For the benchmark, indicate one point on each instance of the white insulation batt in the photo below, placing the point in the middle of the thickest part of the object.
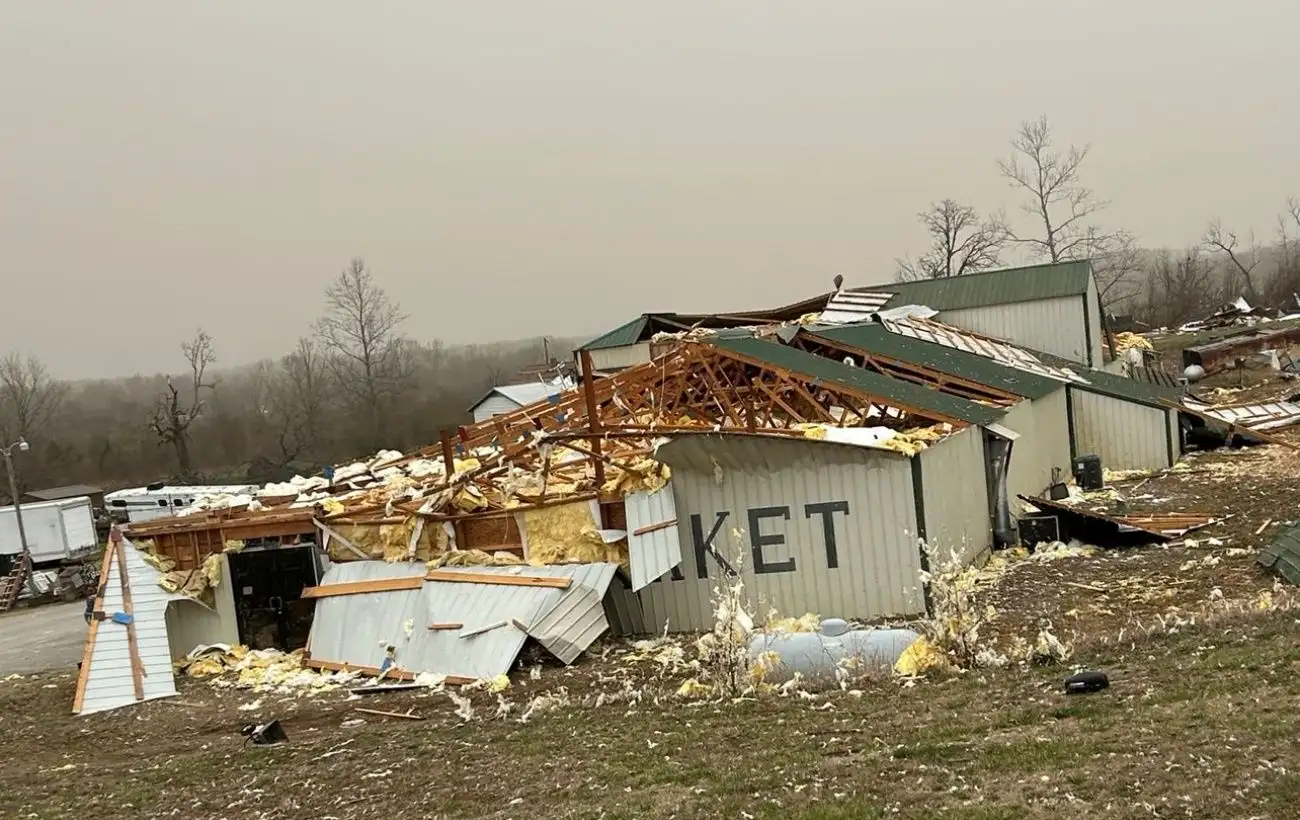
(125, 664)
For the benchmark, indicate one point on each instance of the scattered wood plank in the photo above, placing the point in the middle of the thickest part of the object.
(133, 646)
(447, 625)
(380, 713)
(1089, 587)
(479, 630)
(362, 587)
(492, 578)
(649, 528)
(1263, 527)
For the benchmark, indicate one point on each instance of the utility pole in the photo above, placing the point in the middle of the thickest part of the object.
(22, 446)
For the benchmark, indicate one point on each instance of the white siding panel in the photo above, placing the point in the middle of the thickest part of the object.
(653, 553)
(865, 496)
(493, 405)
(617, 358)
(954, 480)
(1050, 325)
(1044, 428)
(1126, 435)
(109, 683)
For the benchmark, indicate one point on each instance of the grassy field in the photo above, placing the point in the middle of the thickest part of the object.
(1199, 722)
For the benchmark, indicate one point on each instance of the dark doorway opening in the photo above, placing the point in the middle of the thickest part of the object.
(269, 606)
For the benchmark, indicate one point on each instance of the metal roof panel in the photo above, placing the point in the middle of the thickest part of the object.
(882, 388)
(997, 287)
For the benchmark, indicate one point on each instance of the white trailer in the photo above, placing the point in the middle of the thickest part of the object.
(147, 503)
(56, 530)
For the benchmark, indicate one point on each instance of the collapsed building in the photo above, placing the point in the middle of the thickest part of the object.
(825, 452)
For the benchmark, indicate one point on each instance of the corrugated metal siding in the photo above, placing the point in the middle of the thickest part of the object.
(354, 628)
(1050, 325)
(653, 553)
(876, 557)
(854, 306)
(109, 683)
(1127, 436)
(494, 404)
(617, 358)
(1044, 443)
(955, 488)
(576, 620)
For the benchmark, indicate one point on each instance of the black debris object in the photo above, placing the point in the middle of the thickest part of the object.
(267, 734)
(1086, 683)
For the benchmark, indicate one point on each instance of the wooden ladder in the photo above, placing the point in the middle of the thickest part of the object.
(11, 585)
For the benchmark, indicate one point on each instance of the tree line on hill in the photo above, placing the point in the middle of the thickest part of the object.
(354, 385)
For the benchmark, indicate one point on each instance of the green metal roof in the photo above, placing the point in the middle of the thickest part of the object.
(997, 287)
(873, 338)
(874, 384)
(1282, 555)
(628, 334)
(1113, 384)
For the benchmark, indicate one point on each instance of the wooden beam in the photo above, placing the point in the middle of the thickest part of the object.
(649, 528)
(362, 587)
(448, 456)
(373, 671)
(446, 625)
(133, 646)
(493, 578)
(88, 651)
(593, 422)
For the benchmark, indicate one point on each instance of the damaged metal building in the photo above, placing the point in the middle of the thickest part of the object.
(827, 452)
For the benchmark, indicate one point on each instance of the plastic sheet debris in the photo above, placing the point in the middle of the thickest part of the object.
(824, 653)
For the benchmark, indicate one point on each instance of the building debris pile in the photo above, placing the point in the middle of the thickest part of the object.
(525, 482)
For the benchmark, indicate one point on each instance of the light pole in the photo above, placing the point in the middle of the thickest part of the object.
(7, 452)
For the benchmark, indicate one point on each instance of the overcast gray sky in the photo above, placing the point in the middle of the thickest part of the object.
(512, 169)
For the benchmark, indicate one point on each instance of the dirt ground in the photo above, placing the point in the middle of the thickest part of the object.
(1200, 720)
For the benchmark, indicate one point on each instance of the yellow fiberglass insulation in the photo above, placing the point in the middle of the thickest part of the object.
(389, 542)
(567, 534)
(475, 558)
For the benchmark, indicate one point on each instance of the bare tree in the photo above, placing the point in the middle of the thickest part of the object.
(366, 354)
(174, 414)
(1285, 287)
(1242, 262)
(960, 242)
(1055, 196)
(1179, 287)
(298, 401)
(29, 397)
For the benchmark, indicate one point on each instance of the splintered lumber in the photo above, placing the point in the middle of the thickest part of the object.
(362, 587)
(380, 713)
(493, 578)
(447, 625)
